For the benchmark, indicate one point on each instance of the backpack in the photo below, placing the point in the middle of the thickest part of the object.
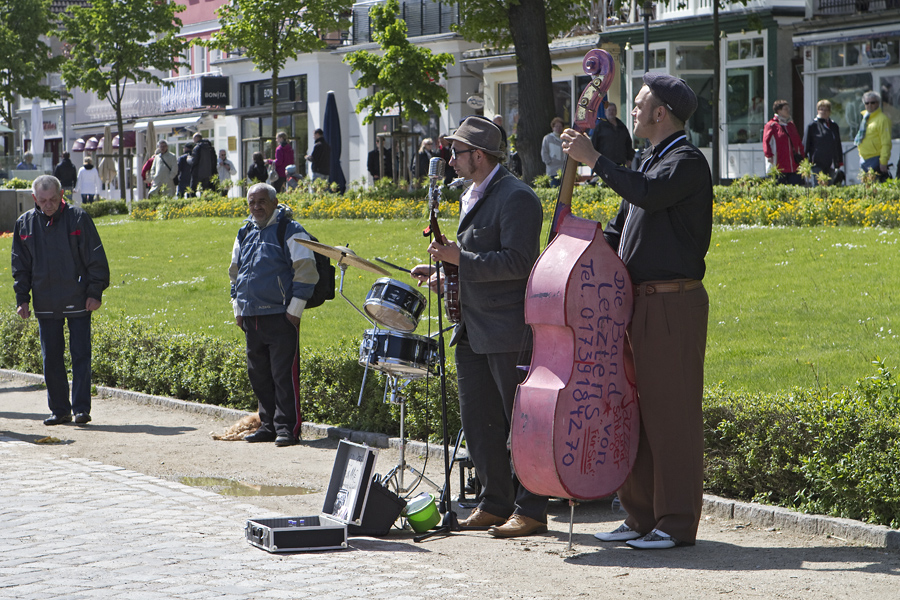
(324, 289)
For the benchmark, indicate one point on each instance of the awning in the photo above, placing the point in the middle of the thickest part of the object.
(129, 140)
(5, 129)
(169, 123)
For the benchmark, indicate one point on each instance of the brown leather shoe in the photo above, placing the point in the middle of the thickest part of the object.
(518, 526)
(480, 518)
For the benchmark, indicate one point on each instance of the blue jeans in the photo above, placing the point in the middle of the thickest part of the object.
(52, 348)
(873, 164)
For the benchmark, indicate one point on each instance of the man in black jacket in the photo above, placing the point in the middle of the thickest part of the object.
(823, 141)
(204, 165)
(66, 172)
(611, 138)
(662, 233)
(498, 241)
(58, 258)
(320, 157)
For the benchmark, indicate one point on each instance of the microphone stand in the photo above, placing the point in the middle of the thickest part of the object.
(449, 523)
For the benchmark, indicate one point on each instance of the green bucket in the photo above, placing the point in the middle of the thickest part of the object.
(422, 513)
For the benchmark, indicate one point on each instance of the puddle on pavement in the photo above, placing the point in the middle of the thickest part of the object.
(231, 487)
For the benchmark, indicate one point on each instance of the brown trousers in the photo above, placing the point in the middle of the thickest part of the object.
(665, 488)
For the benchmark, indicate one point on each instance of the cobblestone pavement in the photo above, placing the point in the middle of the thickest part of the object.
(75, 528)
(102, 514)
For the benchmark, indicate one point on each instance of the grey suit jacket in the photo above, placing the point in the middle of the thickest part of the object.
(499, 241)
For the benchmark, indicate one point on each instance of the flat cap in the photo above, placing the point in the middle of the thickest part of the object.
(677, 94)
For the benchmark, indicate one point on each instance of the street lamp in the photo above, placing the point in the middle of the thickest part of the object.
(647, 11)
(63, 96)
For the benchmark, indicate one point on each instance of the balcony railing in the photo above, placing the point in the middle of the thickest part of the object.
(850, 7)
(423, 17)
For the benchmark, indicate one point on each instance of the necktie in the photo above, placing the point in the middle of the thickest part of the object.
(862, 130)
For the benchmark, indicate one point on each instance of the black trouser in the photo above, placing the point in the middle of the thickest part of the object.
(487, 391)
(272, 364)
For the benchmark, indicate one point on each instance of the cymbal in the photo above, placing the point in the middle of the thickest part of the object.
(343, 255)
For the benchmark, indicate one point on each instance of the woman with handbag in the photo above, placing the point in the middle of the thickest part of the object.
(782, 144)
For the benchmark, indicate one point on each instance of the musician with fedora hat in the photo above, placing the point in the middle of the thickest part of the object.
(498, 242)
(662, 233)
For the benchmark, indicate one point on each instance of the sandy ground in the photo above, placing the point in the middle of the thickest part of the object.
(730, 559)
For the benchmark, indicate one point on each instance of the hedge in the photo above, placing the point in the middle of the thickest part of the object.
(833, 453)
(153, 360)
(749, 201)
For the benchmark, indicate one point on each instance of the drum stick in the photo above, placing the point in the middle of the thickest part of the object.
(404, 269)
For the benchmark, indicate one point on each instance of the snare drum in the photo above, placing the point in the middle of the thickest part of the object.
(394, 304)
(402, 355)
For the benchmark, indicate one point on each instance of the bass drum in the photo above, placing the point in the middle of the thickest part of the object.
(394, 304)
(402, 355)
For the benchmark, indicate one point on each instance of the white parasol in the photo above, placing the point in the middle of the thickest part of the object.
(107, 167)
(37, 130)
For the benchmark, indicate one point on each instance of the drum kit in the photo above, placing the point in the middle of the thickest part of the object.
(393, 308)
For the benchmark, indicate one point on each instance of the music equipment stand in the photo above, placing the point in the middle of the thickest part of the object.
(394, 478)
(449, 523)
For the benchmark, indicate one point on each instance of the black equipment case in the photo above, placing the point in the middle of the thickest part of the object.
(345, 502)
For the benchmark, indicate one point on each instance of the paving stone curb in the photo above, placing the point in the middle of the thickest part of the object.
(751, 513)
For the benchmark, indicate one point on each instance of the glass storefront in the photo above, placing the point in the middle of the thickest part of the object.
(746, 112)
(846, 70)
(256, 129)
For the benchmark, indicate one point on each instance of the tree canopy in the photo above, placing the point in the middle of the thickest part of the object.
(404, 76)
(529, 26)
(271, 32)
(26, 58)
(114, 42)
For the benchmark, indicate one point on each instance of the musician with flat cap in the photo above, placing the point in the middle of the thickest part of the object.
(662, 233)
(498, 243)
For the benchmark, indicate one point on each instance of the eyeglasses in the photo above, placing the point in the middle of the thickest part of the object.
(871, 102)
(454, 153)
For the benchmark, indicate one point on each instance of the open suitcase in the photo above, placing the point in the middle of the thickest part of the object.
(345, 505)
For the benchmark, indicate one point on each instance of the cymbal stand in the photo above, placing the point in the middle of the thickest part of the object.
(343, 267)
(394, 477)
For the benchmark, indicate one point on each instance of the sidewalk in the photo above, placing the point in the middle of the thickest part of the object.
(123, 527)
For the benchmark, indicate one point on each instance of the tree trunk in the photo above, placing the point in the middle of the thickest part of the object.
(108, 146)
(527, 24)
(717, 75)
(274, 111)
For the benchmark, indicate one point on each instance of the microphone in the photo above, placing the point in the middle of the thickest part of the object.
(458, 182)
(436, 168)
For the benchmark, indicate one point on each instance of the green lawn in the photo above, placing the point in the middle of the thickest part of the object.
(789, 306)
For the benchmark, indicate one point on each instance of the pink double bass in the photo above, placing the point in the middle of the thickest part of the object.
(575, 421)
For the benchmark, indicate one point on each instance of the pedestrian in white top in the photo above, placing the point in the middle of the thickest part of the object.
(88, 182)
(225, 169)
(163, 171)
(551, 151)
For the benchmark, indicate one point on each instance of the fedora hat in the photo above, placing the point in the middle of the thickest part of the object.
(480, 133)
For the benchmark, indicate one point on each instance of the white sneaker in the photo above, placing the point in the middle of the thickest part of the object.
(622, 534)
(655, 540)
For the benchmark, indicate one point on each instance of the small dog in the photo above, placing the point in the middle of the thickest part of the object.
(244, 427)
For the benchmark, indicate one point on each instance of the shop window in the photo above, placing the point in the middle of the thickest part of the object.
(694, 58)
(746, 49)
(700, 126)
(657, 59)
(745, 108)
(845, 93)
(509, 106)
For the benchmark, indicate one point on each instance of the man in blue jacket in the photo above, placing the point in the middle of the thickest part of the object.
(272, 277)
(58, 258)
